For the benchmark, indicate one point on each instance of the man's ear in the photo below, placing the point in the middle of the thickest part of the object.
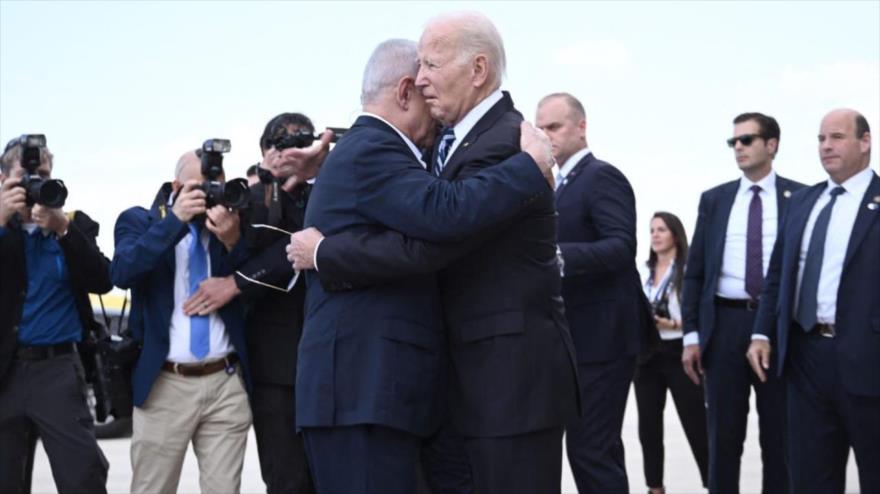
(773, 145)
(176, 185)
(480, 68)
(405, 87)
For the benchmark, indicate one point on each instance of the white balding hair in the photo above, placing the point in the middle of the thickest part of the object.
(391, 60)
(476, 35)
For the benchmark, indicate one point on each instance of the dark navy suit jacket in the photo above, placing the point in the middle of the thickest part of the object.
(513, 360)
(144, 262)
(707, 253)
(606, 308)
(378, 355)
(858, 295)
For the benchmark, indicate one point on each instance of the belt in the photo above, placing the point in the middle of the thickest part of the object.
(824, 329)
(43, 352)
(202, 368)
(747, 303)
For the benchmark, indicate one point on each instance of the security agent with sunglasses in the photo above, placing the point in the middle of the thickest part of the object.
(49, 261)
(736, 228)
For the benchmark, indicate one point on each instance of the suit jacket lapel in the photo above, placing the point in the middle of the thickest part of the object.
(725, 205)
(782, 194)
(455, 162)
(572, 175)
(864, 218)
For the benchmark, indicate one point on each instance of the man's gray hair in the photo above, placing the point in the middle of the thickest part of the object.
(390, 61)
(476, 35)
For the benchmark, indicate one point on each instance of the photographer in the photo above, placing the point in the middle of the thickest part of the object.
(49, 261)
(662, 370)
(275, 313)
(187, 382)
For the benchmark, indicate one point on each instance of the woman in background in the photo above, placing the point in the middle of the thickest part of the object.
(662, 370)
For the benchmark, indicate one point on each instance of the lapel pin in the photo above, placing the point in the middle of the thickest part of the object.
(786, 194)
(465, 144)
(872, 206)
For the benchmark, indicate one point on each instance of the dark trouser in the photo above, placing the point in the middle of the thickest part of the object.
(824, 421)
(525, 463)
(663, 371)
(49, 396)
(595, 449)
(362, 459)
(282, 454)
(445, 465)
(729, 380)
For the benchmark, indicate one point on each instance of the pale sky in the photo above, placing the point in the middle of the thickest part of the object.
(122, 89)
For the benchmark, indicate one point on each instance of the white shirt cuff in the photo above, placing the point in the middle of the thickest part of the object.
(759, 337)
(692, 338)
(315, 254)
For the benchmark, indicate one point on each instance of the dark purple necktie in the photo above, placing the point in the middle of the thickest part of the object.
(754, 246)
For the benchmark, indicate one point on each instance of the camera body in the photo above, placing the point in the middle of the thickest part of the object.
(660, 308)
(48, 192)
(299, 139)
(232, 194)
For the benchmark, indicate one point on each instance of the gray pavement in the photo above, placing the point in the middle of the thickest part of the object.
(681, 470)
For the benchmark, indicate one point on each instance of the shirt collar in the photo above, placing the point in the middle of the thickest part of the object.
(462, 128)
(574, 159)
(409, 143)
(33, 228)
(856, 185)
(767, 184)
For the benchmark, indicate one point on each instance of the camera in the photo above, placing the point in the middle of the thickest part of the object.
(232, 194)
(300, 139)
(48, 192)
(660, 308)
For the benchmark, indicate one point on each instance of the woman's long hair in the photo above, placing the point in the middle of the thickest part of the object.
(679, 238)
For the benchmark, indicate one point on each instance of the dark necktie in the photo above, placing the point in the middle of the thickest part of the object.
(808, 298)
(447, 137)
(199, 326)
(754, 245)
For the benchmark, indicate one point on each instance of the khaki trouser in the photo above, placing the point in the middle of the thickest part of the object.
(212, 411)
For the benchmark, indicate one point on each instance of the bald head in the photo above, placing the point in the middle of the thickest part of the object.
(189, 167)
(844, 144)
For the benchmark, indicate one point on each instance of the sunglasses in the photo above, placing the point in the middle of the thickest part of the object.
(745, 139)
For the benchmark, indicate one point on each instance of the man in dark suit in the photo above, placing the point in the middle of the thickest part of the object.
(49, 262)
(513, 381)
(606, 309)
(736, 228)
(820, 313)
(186, 383)
(274, 310)
(372, 362)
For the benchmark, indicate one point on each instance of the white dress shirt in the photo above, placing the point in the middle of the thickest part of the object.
(467, 123)
(180, 326)
(732, 279)
(840, 225)
(655, 293)
(560, 172)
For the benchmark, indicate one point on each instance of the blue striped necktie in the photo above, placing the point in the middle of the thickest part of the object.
(199, 326)
(447, 137)
(808, 300)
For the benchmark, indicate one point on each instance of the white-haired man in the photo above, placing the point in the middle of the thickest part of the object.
(372, 362)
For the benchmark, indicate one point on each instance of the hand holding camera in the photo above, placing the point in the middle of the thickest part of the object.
(190, 202)
(298, 164)
(52, 219)
(224, 224)
(13, 200)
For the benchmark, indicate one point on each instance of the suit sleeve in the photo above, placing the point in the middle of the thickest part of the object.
(766, 315)
(141, 245)
(613, 212)
(695, 271)
(401, 196)
(87, 265)
(269, 266)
